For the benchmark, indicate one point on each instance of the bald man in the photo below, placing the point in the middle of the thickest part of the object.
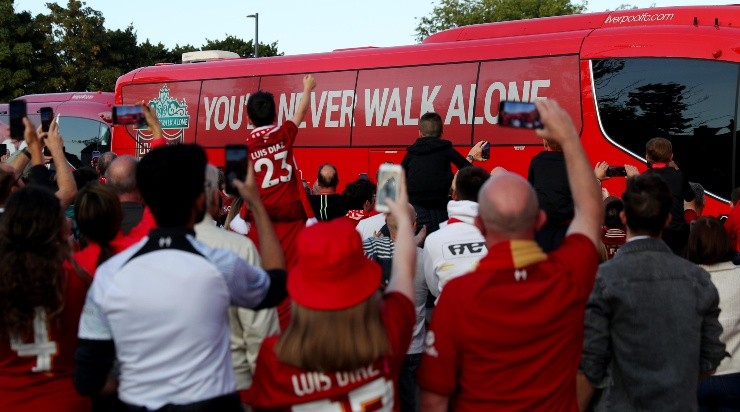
(325, 201)
(509, 335)
(121, 174)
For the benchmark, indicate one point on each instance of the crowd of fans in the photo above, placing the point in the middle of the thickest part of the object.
(140, 285)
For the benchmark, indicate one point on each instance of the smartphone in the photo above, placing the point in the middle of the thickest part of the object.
(47, 115)
(486, 153)
(236, 165)
(614, 171)
(17, 111)
(363, 176)
(127, 115)
(95, 154)
(519, 114)
(389, 185)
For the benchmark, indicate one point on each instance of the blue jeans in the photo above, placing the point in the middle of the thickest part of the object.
(407, 382)
(720, 393)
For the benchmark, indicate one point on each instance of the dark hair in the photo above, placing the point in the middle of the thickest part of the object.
(261, 108)
(709, 242)
(659, 150)
(647, 202)
(104, 162)
(612, 207)
(170, 180)
(84, 175)
(98, 214)
(32, 252)
(468, 182)
(430, 124)
(7, 181)
(332, 181)
(735, 196)
(358, 192)
(698, 193)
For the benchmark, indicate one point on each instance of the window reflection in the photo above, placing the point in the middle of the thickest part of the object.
(689, 102)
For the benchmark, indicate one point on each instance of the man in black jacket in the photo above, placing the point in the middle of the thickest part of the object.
(429, 172)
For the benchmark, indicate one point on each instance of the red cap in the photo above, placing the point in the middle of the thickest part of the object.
(332, 271)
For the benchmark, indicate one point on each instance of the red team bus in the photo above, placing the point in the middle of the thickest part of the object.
(624, 76)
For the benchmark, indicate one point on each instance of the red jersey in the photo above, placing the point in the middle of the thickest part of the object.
(732, 225)
(282, 387)
(36, 372)
(88, 257)
(271, 153)
(510, 339)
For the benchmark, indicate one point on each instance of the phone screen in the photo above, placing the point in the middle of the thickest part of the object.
(17, 111)
(486, 153)
(127, 115)
(47, 115)
(389, 185)
(519, 114)
(236, 165)
(613, 171)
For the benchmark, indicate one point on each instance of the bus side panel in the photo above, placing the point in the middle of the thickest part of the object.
(328, 121)
(222, 118)
(524, 80)
(390, 102)
(176, 105)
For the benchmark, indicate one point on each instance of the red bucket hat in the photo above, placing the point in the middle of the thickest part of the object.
(332, 271)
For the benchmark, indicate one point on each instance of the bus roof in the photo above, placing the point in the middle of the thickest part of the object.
(543, 36)
(726, 16)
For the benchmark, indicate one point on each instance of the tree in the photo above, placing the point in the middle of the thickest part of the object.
(456, 13)
(21, 59)
(241, 47)
(78, 38)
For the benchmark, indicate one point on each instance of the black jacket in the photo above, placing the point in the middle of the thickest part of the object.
(429, 172)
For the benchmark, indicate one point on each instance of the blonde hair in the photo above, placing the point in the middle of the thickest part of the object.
(334, 340)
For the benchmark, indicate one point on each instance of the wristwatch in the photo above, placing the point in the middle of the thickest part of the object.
(470, 158)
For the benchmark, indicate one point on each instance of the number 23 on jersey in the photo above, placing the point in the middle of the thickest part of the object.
(276, 169)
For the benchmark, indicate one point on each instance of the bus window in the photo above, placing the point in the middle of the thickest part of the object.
(79, 133)
(690, 102)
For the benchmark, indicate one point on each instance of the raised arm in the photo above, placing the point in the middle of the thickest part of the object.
(589, 208)
(309, 83)
(270, 250)
(404, 255)
(67, 188)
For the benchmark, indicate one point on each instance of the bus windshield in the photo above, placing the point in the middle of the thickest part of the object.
(690, 102)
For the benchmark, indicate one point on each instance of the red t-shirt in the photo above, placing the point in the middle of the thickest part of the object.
(88, 257)
(279, 387)
(732, 225)
(271, 153)
(509, 339)
(50, 387)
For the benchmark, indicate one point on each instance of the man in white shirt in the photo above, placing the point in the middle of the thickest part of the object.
(458, 245)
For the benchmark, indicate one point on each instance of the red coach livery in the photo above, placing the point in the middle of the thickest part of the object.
(624, 76)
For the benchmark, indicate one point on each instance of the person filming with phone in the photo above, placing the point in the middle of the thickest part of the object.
(429, 172)
(510, 332)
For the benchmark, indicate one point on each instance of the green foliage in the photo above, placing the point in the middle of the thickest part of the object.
(21, 62)
(69, 49)
(241, 47)
(456, 13)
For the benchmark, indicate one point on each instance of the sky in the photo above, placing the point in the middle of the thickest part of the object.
(297, 26)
